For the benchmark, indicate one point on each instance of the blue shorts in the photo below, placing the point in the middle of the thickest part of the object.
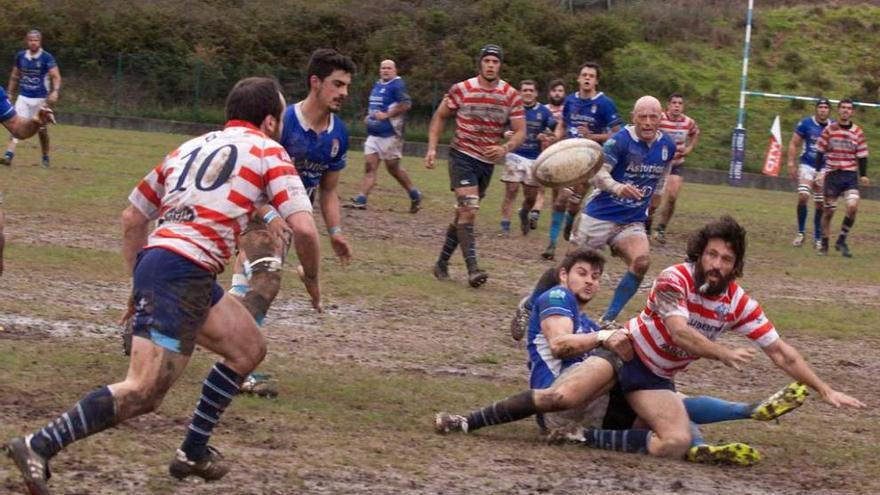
(634, 375)
(838, 182)
(172, 298)
(676, 169)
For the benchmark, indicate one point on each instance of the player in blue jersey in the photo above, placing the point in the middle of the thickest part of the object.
(806, 173)
(389, 101)
(32, 71)
(586, 113)
(21, 128)
(518, 163)
(636, 158)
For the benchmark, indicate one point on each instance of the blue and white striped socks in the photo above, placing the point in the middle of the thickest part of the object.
(218, 389)
(94, 413)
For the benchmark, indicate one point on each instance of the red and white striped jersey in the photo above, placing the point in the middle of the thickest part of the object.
(556, 110)
(204, 192)
(842, 147)
(681, 131)
(482, 115)
(674, 294)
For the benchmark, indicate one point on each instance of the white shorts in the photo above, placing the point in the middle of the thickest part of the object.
(596, 234)
(808, 173)
(28, 108)
(586, 415)
(388, 148)
(518, 169)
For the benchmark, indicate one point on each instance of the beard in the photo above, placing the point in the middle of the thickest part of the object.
(556, 101)
(711, 289)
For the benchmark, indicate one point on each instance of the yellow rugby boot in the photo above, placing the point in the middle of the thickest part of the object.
(732, 454)
(791, 397)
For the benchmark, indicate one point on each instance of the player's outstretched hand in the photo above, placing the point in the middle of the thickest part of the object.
(840, 399)
(620, 344)
(737, 357)
(430, 158)
(341, 247)
(45, 116)
(312, 287)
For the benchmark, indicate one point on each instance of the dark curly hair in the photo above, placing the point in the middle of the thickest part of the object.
(586, 255)
(728, 230)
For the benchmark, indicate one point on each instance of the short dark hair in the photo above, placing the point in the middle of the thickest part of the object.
(556, 82)
(845, 100)
(254, 98)
(675, 95)
(728, 230)
(592, 65)
(528, 82)
(583, 255)
(324, 61)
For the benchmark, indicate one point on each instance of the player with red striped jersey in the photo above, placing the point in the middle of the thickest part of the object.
(201, 196)
(686, 134)
(689, 306)
(843, 147)
(483, 106)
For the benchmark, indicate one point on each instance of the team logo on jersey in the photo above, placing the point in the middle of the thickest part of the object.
(334, 148)
(722, 310)
(594, 109)
(179, 215)
(664, 154)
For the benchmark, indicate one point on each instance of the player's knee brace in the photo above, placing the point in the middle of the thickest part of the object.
(804, 190)
(468, 202)
(851, 197)
(818, 198)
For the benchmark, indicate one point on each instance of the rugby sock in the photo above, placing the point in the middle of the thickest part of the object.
(844, 229)
(449, 244)
(513, 408)
(650, 220)
(817, 224)
(696, 436)
(627, 288)
(556, 225)
(414, 194)
(704, 409)
(94, 413)
(468, 246)
(239, 286)
(218, 389)
(618, 440)
(661, 227)
(535, 215)
(360, 199)
(505, 225)
(802, 217)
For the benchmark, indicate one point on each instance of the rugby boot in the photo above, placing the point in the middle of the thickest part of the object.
(791, 397)
(818, 244)
(211, 468)
(33, 467)
(660, 236)
(798, 240)
(733, 454)
(416, 204)
(441, 270)
(524, 222)
(477, 278)
(448, 423)
(843, 249)
(520, 321)
(534, 215)
(6, 159)
(258, 384)
(550, 252)
(45, 162)
(354, 204)
(823, 247)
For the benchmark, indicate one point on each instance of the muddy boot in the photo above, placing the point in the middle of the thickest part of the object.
(441, 270)
(211, 468)
(33, 467)
(258, 384)
(477, 278)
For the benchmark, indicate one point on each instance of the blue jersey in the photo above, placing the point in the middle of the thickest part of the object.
(7, 111)
(33, 71)
(633, 162)
(543, 367)
(538, 119)
(809, 131)
(598, 114)
(384, 97)
(313, 153)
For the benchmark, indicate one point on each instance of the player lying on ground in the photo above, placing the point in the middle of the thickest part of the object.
(573, 366)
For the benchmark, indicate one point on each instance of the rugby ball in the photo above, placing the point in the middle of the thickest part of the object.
(568, 162)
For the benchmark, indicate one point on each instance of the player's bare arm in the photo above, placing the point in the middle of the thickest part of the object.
(55, 76)
(14, 76)
(305, 242)
(788, 359)
(435, 129)
(135, 227)
(794, 147)
(22, 128)
(697, 344)
(692, 144)
(332, 219)
(599, 138)
(398, 109)
(605, 182)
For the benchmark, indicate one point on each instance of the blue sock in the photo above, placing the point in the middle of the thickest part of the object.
(618, 440)
(817, 224)
(9, 154)
(696, 436)
(627, 288)
(556, 225)
(94, 413)
(360, 199)
(802, 217)
(569, 218)
(218, 389)
(705, 409)
(414, 194)
(505, 225)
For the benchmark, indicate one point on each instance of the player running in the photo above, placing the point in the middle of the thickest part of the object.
(843, 148)
(22, 128)
(684, 131)
(201, 195)
(32, 73)
(483, 106)
(586, 113)
(808, 172)
(518, 164)
(389, 101)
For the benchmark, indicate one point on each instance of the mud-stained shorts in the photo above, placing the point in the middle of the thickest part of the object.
(596, 234)
(467, 171)
(172, 297)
